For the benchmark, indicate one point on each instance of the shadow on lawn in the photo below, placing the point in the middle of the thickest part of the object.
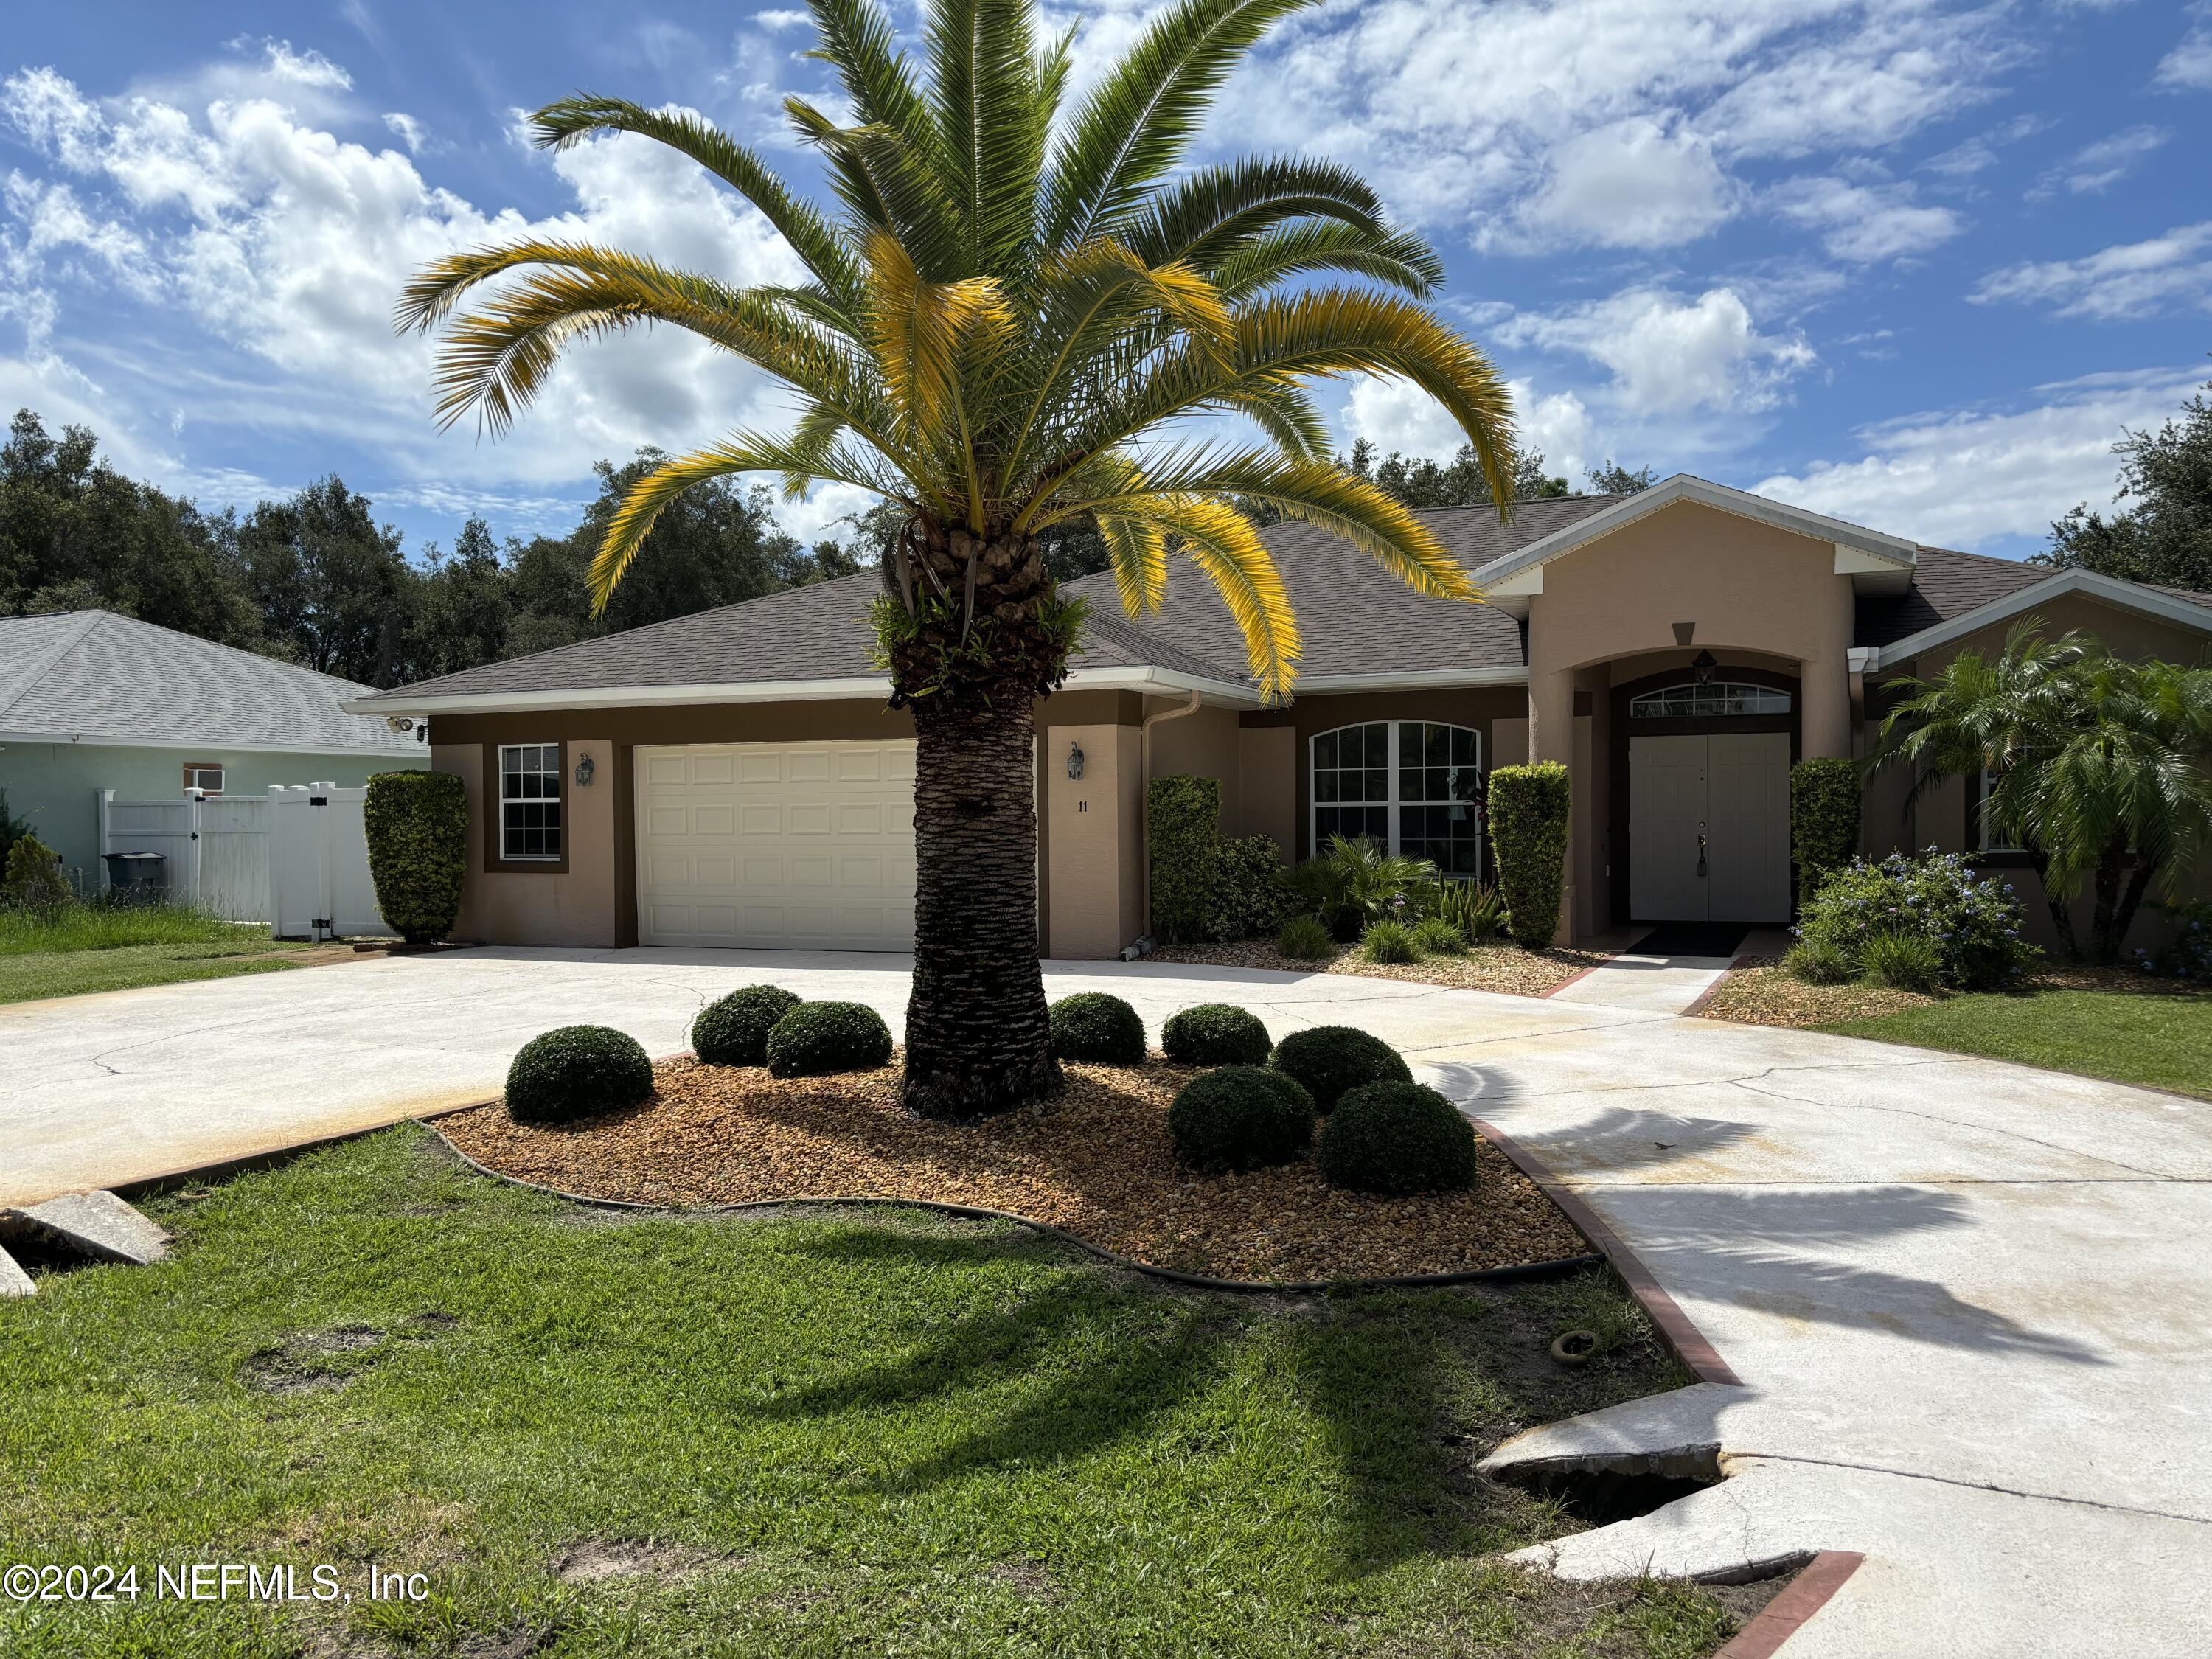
(1403, 1391)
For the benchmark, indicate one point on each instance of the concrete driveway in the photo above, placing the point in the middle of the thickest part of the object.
(1967, 1301)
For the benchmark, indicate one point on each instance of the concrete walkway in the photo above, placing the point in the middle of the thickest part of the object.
(1965, 1300)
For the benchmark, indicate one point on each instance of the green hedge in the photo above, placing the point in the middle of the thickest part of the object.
(1207, 886)
(1528, 820)
(576, 1071)
(1823, 820)
(418, 850)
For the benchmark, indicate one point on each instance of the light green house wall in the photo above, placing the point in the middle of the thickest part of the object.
(52, 784)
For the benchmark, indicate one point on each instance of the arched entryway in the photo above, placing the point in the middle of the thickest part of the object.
(1700, 764)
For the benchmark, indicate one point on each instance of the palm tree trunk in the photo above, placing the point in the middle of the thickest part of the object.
(977, 1038)
(2061, 918)
(2118, 902)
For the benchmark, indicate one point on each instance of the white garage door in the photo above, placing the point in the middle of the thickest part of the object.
(777, 846)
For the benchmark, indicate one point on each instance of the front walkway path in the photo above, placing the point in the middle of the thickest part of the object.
(1966, 1300)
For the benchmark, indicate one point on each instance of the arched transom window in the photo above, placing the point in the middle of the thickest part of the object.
(1690, 701)
(1414, 786)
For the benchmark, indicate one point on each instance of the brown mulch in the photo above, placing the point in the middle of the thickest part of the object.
(1493, 967)
(1095, 1161)
(1759, 992)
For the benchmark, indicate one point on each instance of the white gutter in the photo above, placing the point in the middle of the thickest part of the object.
(1511, 674)
(212, 746)
(846, 688)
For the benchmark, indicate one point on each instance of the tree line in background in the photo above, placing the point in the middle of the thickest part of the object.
(315, 580)
(2163, 536)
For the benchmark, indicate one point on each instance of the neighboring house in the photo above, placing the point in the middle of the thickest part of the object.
(734, 778)
(92, 701)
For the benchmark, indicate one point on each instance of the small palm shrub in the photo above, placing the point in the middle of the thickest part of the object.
(1388, 941)
(1304, 939)
(1094, 1027)
(1904, 962)
(1818, 963)
(1974, 925)
(576, 1071)
(734, 1031)
(1354, 882)
(1240, 1117)
(1435, 937)
(1216, 1034)
(817, 1038)
(1328, 1060)
(1397, 1138)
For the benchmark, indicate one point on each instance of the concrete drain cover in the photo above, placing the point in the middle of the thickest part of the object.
(97, 1224)
(13, 1281)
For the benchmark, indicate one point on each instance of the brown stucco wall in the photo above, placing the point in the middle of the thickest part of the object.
(571, 901)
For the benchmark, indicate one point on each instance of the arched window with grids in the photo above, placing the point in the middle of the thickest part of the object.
(1414, 785)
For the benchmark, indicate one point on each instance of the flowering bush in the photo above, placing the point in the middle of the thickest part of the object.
(1974, 925)
(2188, 954)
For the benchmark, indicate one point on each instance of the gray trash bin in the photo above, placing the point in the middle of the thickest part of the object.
(142, 876)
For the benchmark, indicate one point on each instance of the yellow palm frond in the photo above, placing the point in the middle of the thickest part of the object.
(1225, 544)
(1138, 550)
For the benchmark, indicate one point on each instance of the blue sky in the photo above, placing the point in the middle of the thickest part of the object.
(1912, 264)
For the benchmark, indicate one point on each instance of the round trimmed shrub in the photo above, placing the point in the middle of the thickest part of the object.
(1093, 1026)
(734, 1031)
(1216, 1034)
(1394, 1138)
(577, 1072)
(817, 1038)
(1328, 1060)
(1240, 1117)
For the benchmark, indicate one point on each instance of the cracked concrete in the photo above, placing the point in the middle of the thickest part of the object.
(1966, 1299)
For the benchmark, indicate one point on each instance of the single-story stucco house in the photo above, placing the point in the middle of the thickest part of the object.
(92, 701)
(734, 778)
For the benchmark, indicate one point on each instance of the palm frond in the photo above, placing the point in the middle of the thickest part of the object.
(1137, 553)
(1396, 259)
(1134, 126)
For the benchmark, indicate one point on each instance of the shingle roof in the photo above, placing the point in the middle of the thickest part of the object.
(94, 675)
(1353, 619)
(1945, 584)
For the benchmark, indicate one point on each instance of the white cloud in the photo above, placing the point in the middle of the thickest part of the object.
(2129, 279)
(1969, 477)
(1670, 354)
(2098, 166)
(1393, 415)
(290, 245)
(1863, 224)
(309, 68)
(1633, 184)
(781, 20)
(410, 131)
(2188, 67)
(1532, 123)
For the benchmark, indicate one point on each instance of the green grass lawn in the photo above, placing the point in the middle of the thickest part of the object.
(2162, 1039)
(847, 1433)
(99, 947)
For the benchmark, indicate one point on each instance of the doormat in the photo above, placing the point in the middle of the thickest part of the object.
(1692, 939)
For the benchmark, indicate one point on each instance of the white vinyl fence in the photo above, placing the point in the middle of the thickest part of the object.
(296, 859)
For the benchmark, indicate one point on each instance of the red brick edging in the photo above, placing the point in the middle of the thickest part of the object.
(1688, 1342)
(1805, 1595)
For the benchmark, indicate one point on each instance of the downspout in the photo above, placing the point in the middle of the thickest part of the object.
(1145, 849)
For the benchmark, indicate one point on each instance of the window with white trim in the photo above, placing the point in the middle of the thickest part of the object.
(1690, 701)
(530, 801)
(1990, 844)
(1414, 785)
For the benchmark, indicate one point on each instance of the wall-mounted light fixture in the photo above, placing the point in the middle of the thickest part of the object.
(1075, 760)
(583, 769)
(1704, 662)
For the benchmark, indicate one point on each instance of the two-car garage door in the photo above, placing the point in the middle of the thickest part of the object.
(776, 846)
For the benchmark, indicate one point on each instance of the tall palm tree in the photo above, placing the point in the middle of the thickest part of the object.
(2100, 768)
(1011, 320)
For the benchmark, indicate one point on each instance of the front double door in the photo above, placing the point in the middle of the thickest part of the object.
(1709, 828)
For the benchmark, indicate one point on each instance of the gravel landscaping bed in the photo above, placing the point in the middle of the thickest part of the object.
(1097, 1161)
(1505, 967)
(1758, 992)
